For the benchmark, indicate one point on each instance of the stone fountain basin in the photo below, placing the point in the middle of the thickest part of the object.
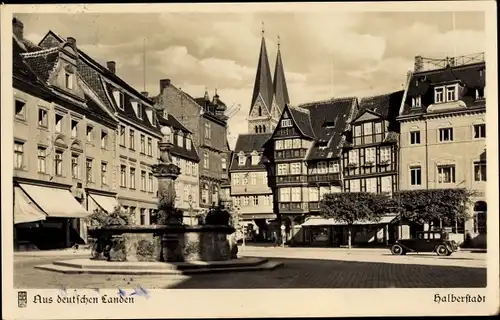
(163, 243)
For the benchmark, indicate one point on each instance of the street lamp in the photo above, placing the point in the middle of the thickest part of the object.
(190, 202)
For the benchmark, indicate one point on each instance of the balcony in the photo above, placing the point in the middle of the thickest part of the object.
(329, 177)
(292, 207)
(290, 179)
(290, 154)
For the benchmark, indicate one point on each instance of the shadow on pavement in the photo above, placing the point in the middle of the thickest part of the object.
(314, 273)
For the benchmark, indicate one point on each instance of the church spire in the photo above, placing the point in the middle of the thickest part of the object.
(263, 82)
(279, 84)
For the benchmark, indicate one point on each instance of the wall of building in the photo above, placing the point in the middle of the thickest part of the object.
(187, 184)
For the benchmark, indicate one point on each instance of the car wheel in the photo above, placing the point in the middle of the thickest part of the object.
(441, 250)
(397, 250)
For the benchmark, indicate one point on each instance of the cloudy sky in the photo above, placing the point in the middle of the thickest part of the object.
(325, 55)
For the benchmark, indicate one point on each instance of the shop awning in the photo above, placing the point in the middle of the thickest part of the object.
(108, 204)
(55, 202)
(25, 210)
(318, 221)
(249, 216)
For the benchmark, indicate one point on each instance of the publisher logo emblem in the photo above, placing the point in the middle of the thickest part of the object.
(22, 299)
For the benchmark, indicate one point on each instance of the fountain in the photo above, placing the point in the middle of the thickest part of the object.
(139, 249)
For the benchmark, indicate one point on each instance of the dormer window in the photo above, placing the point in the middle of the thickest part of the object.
(188, 143)
(140, 108)
(165, 113)
(68, 80)
(119, 99)
(286, 123)
(439, 95)
(255, 158)
(242, 159)
(179, 139)
(416, 102)
(451, 93)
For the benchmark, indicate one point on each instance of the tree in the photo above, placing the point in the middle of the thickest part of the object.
(426, 206)
(101, 218)
(352, 207)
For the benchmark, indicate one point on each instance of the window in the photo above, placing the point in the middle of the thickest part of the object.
(282, 169)
(18, 155)
(284, 194)
(104, 139)
(215, 195)
(385, 154)
(206, 163)
(415, 137)
(150, 146)
(313, 194)
(68, 81)
(279, 144)
(242, 160)
(367, 129)
(255, 159)
(140, 108)
(370, 155)
(204, 194)
(176, 190)
(143, 144)
(90, 133)
(267, 200)
(237, 201)
(439, 95)
(296, 143)
(43, 119)
(416, 102)
(295, 168)
(296, 195)
(386, 184)
(150, 182)
(207, 130)
(322, 167)
(245, 179)
(58, 159)
(253, 178)
(378, 127)
(357, 131)
(188, 143)
(121, 99)
(123, 176)
(75, 166)
(286, 123)
(122, 136)
(246, 201)
(480, 171)
(446, 174)
(74, 128)
(131, 139)
(104, 173)
(59, 120)
(20, 109)
(224, 164)
(333, 167)
(143, 216)
(88, 168)
(132, 178)
(42, 160)
(451, 94)
(179, 140)
(371, 185)
(479, 131)
(288, 144)
(255, 200)
(143, 181)
(446, 134)
(354, 185)
(353, 157)
(415, 176)
(186, 192)
(236, 179)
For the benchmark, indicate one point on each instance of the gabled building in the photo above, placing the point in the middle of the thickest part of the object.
(205, 118)
(54, 109)
(304, 153)
(136, 142)
(250, 191)
(443, 134)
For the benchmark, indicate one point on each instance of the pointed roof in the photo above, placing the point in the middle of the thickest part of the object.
(279, 84)
(263, 81)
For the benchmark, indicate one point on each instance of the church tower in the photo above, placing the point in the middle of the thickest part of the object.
(280, 89)
(260, 117)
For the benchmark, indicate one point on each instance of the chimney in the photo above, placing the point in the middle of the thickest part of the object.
(419, 64)
(111, 66)
(18, 28)
(215, 99)
(163, 84)
(145, 93)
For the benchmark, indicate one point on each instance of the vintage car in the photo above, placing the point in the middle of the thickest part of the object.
(426, 241)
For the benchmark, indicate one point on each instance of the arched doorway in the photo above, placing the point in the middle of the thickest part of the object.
(480, 209)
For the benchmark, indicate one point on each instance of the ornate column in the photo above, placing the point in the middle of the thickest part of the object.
(166, 172)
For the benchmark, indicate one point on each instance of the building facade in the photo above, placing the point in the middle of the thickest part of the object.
(443, 135)
(54, 109)
(205, 118)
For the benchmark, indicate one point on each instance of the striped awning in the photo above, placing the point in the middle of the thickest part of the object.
(318, 221)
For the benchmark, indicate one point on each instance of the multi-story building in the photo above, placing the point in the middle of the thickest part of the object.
(59, 125)
(304, 153)
(370, 159)
(185, 156)
(443, 134)
(225, 194)
(137, 136)
(205, 118)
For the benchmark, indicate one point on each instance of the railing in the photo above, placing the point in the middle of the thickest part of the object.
(290, 206)
(329, 177)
